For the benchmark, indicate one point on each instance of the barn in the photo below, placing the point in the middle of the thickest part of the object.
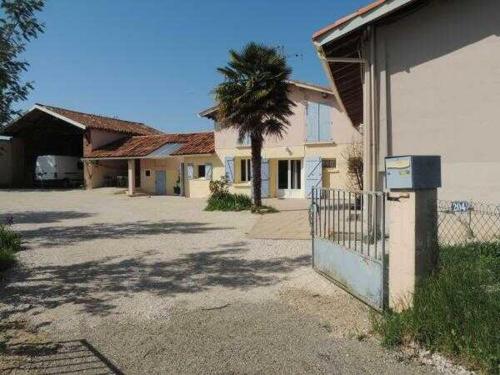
(49, 130)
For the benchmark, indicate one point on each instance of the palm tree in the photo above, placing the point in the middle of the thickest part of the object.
(253, 99)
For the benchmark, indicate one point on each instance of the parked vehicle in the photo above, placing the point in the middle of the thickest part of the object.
(58, 170)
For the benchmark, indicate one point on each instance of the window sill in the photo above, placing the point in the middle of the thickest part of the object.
(332, 170)
(242, 184)
(319, 143)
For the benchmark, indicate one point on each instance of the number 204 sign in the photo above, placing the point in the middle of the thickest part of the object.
(460, 206)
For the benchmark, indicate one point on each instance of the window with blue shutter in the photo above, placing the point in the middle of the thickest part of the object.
(318, 122)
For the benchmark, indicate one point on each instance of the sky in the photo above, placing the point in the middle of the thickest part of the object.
(154, 61)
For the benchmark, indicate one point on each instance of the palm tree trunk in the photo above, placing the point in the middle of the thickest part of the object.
(256, 170)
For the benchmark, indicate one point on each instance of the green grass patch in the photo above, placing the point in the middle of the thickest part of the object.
(9, 239)
(10, 243)
(228, 202)
(456, 311)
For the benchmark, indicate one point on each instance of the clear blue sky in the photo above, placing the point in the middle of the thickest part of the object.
(154, 61)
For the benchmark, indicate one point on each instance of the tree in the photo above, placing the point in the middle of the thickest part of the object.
(18, 25)
(253, 99)
(353, 156)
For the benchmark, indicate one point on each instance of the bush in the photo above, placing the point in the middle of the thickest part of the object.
(456, 310)
(228, 202)
(10, 243)
(9, 239)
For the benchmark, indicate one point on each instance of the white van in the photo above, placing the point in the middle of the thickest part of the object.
(58, 170)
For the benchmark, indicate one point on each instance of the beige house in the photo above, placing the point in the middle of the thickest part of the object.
(423, 78)
(165, 164)
(311, 153)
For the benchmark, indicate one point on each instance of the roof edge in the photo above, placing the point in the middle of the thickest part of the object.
(357, 19)
(310, 86)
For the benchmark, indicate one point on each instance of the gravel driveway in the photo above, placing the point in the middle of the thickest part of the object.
(155, 285)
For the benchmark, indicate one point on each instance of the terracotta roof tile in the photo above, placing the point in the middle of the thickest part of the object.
(140, 146)
(103, 122)
(347, 18)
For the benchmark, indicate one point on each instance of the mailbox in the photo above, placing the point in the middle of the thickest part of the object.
(413, 172)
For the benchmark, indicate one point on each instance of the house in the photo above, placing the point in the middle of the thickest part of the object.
(311, 153)
(49, 130)
(422, 76)
(125, 153)
(161, 164)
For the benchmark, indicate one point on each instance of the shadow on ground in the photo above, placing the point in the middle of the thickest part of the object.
(63, 357)
(67, 235)
(94, 285)
(41, 217)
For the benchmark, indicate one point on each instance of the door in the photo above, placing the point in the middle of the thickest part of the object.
(290, 179)
(160, 182)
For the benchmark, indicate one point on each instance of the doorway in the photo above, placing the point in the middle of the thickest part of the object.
(160, 182)
(290, 179)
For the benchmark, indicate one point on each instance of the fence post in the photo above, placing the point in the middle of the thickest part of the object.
(413, 230)
(412, 242)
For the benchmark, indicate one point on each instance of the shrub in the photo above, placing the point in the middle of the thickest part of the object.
(9, 239)
(228, 202)
(220, 186)
(455, 311)
(10, 243)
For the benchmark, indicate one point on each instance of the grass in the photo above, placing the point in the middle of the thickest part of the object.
(456, 311)
(10, 243)
(228, 202)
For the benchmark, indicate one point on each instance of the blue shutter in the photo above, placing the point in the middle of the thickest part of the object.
(312, 122)
(325, 128)
(229, 167)
(313, 173)
(208, 171)
(190, 171)
(264, 172)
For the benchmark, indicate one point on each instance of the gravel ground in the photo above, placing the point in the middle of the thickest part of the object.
(155, 285)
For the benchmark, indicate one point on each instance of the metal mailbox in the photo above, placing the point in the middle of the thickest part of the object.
(413, 172)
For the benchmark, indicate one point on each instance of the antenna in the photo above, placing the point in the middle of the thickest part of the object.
(281, 51)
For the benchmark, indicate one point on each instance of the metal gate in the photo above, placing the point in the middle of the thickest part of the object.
(349, 241)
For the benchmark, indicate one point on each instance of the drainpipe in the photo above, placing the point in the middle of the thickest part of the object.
(373, 110)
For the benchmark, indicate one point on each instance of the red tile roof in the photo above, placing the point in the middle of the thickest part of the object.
(349, 17)
(140, 146)
(103, 122)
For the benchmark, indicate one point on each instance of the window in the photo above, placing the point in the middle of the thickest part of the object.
(329, 163)
(148, 173)
(318, 122)
(246, 141)
(79, 165)
(201, 171)
(246, 170)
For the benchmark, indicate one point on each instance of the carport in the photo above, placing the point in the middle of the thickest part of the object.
(47, 130)
(40, 133)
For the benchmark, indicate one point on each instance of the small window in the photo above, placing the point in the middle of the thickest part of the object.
(246, 170)
(329, 163)
(148, 173)
(201, 171)
(79, 165)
